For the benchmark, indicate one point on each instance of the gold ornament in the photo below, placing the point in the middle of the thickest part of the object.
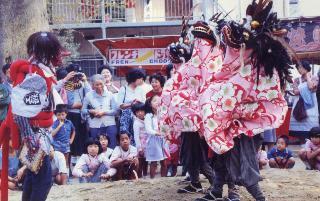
(255, 24)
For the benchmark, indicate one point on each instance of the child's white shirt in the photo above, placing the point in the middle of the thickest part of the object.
(151, 124)
(118, 152)
(139, 131)
(58, 164)
(92, 162)
(262, 155)
(107, 154)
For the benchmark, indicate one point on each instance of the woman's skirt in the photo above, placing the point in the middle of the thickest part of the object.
(155, 149)
(269, 136)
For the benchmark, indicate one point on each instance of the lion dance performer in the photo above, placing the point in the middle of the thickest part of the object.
(179, 110)
(245, 97)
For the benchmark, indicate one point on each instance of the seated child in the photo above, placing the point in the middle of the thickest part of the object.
(15, 174)
(140, 137)
(262, 158)
(63, 132)
(104, 141)
(58, 167)
(91, 166)
(124, 158)
(280, 156)
(310, 155)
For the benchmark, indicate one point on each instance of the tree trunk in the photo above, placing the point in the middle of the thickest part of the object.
(18, 20)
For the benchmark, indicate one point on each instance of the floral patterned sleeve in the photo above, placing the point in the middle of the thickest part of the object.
(179, 109)
(236, 104)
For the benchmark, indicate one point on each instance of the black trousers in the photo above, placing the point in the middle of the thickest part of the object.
(36, 187)
(194, 156)
(239, 166)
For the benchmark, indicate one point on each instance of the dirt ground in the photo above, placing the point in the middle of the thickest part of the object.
(279, 185)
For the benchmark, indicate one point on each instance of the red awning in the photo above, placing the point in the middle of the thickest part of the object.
(104, 45)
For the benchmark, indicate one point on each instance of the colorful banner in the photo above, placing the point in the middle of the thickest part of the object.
(304, 36)
(137, 57)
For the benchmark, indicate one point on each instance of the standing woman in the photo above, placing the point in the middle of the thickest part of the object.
(129, 95)
(101, 106)
(106, 72)
(305, 88)
(32, 115)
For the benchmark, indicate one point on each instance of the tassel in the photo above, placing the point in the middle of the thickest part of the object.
(242, 49)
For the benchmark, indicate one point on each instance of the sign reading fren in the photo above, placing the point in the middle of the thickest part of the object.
(137, 57)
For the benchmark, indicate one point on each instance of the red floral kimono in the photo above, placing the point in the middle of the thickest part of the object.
(179, 110)
(234, 103)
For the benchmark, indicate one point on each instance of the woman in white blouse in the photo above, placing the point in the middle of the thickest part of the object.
(129, 95)
(106, 72)
(101, 106)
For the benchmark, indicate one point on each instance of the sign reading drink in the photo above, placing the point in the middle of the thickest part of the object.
(137, 57)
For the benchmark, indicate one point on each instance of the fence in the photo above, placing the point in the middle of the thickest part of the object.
(97, 11)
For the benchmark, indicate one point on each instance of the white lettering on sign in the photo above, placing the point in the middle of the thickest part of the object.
(137, 57)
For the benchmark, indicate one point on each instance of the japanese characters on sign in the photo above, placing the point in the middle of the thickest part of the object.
(137, 57)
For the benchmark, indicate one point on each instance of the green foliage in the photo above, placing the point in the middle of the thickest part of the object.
(67, 40)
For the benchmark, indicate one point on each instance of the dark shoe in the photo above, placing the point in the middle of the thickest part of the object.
(211, 196)
(233, 194)
(191, 188)
(186, 180)
(235, 199)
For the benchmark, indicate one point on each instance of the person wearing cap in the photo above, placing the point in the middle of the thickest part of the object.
(310, 154)
(305, 87)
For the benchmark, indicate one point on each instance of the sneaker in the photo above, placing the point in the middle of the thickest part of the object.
(186, 180)
(233, 194)
(234, 199)
(191, 188)
(211, 196)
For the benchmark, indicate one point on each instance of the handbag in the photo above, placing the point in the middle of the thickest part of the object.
(299, 111)
(32, 158)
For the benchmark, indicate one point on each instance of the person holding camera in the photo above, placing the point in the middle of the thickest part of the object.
(73, 87)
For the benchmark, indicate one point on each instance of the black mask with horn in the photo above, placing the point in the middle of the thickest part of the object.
(261, 31)
(181, 51)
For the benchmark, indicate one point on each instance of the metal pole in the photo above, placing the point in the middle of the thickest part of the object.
(103, 24)
(239, 6)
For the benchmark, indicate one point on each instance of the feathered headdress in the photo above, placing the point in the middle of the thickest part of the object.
(261, 31)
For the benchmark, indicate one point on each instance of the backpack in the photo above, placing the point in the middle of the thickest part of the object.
(4, 101)
(30, 97)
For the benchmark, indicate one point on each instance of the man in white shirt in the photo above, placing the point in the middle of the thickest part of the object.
(59, 167)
